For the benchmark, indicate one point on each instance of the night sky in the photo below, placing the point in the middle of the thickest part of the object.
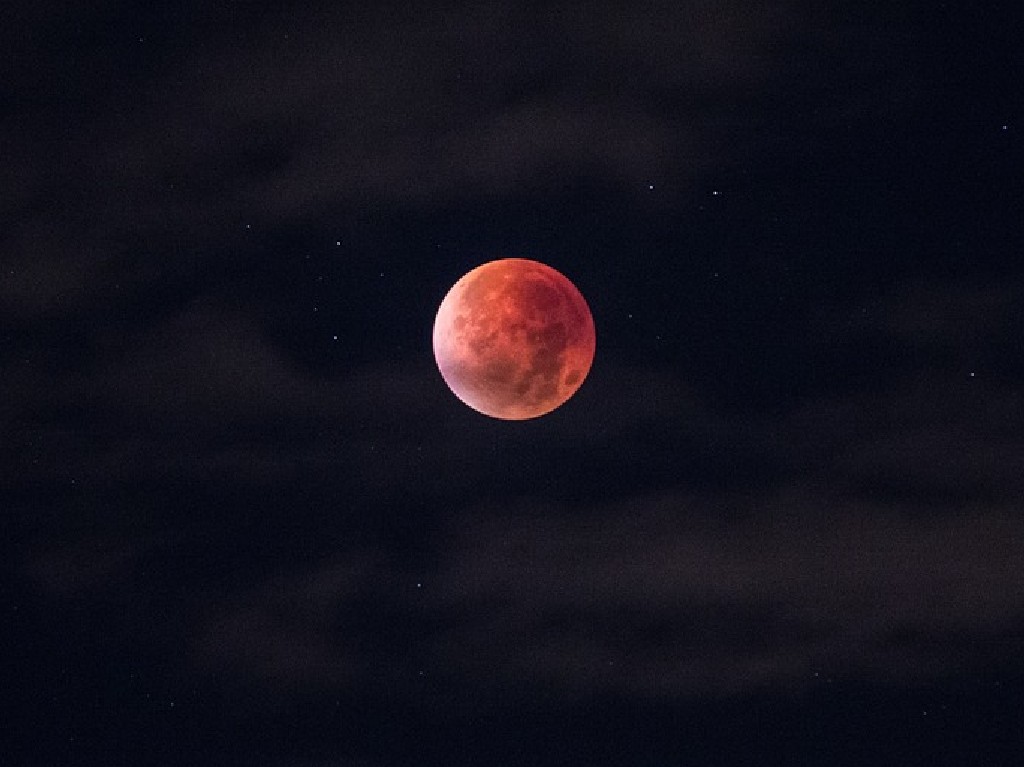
(245, 522)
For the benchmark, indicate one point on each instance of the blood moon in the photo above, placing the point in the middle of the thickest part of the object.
(514, 339)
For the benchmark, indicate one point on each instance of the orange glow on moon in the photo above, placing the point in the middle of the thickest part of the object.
(514, 339)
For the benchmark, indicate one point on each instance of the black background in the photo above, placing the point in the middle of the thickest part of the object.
(246, 523)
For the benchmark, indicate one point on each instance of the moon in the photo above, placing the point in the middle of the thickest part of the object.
(514, 339)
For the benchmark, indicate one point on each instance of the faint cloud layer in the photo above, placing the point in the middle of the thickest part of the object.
(882, 540)
(289, 119)
(418, 555)
(651, 598)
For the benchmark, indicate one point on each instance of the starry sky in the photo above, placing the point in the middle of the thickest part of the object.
(245, 521)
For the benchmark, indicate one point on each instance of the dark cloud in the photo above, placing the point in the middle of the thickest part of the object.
(301, 115)
(654, 598)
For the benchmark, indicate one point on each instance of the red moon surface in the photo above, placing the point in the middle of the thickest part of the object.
(514, 339)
